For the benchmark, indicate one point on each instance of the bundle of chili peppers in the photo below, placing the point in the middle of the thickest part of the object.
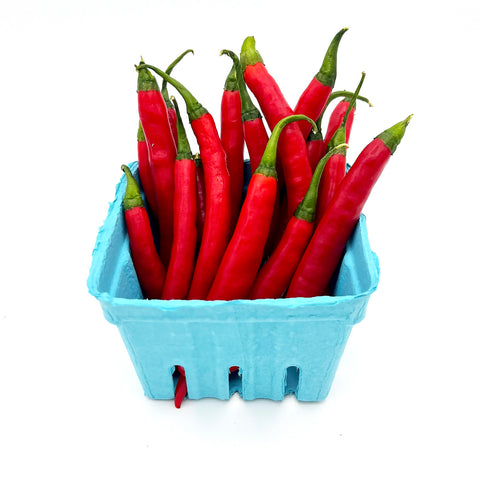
(287, 234)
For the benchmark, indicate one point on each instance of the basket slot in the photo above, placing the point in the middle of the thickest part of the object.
(292, 375)
(235, 380)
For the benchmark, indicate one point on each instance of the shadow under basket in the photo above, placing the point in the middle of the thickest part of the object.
(281, 346)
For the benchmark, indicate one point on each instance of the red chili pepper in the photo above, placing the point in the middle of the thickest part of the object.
(172, 116)
(338, 114)
(336, 167)
(337, 118)
(216, 230)
(291, 146)
(314, 98)
(231, 134)
(148, 266)
(181, 387)
(254, 132)
(182, 261)
(256, 139)
(316, 144)
(145, 172)
(327, 244)
(244, 253)
(162, 152)
(274, 277)
(201, 197)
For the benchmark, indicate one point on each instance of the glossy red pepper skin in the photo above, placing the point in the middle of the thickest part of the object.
(162, 152)
(244, 253)
(314, 98)
(148, 266)
(312, 102)
(145, 172)
(256, 139)
(201, 198)
(181, 387)
(336, 119)
(327, 245)
(333, 175)
(336, 166)
(231, 135)
(254, 132)
(273, 279)
(182, 261)
(316, 149)
(291, 146)
(218, 213)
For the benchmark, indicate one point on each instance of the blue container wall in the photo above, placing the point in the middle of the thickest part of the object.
(275, 342)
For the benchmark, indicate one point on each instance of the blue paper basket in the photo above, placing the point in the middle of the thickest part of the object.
(281, 346)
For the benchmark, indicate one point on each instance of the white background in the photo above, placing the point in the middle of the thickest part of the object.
(405, 401)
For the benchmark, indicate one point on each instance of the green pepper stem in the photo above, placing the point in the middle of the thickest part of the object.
(231, 83)
(249, 110)
(197, 160)
(183, 148)
(306, 208)
(140, 133)
(393, 135)
(168, 71)
(346, 94)
(146, 81)
(132, 197)
(249, 55)
(269, 158)
(328, 71)
(194, 109)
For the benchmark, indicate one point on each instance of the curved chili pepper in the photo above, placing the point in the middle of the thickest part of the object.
(291, 146)
(201, 197)
(231, 134)
(216, 230)
(145, 172)
(162, 152)
(244, 253)
(172, 115)
(274, 277)
(336, 167)
(316, 144)
(182, 260)
(338, 113)
(148, 266)
(327, 244)
(314, 98)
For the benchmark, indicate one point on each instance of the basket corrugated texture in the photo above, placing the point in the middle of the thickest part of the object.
(280, 346)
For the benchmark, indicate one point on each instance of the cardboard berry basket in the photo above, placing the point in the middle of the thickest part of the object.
(281, 346)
